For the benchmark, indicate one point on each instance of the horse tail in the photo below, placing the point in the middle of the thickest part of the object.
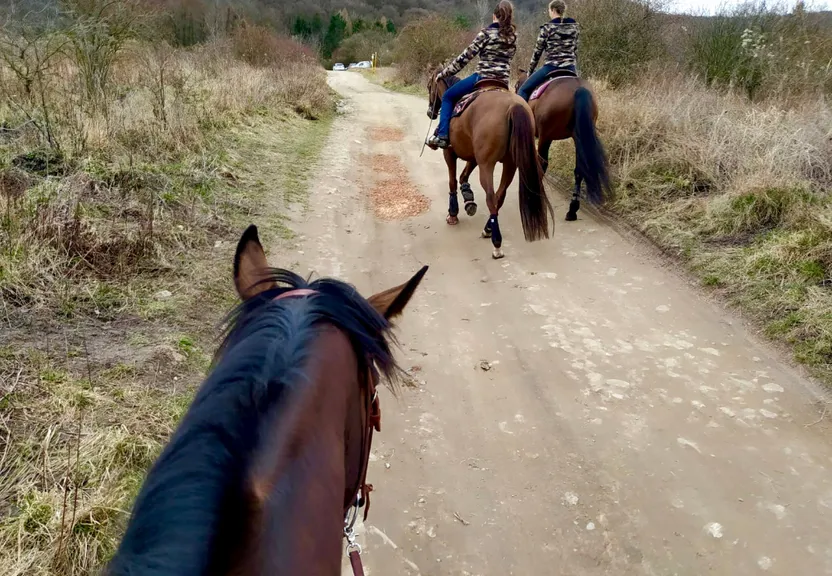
(591, 160)
(535, 207)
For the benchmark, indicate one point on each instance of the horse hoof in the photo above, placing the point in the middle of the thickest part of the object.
(452, 220)
(486, 234)
(497, 253)
(571, 216)
(471, 208)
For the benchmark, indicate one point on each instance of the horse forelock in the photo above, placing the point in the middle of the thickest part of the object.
(189, 515)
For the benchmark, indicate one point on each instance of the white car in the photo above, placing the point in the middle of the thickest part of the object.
(364, 64)
(338, 66)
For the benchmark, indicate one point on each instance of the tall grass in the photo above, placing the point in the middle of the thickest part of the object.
(101, 206)
(129, 161)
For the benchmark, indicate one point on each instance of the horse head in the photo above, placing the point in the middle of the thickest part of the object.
(435, 91)
(272, 454)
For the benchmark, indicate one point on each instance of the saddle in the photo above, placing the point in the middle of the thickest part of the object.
(484, 85)
(552, 77)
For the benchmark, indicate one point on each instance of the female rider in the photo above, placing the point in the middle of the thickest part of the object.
(559, 38)
(496, 46)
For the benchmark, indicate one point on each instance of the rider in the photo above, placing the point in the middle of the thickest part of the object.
(559, 37)
(496, 46)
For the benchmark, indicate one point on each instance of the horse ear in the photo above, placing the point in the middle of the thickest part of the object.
(250, 266)
(392, 302)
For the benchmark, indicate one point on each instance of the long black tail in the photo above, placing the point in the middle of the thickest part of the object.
(535, 208)
(591, 159)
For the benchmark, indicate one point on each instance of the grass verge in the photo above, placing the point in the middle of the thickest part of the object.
(115, 269)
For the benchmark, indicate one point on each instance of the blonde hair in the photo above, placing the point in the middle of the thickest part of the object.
(558, 7)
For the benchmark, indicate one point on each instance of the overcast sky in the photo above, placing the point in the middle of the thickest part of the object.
(713, 6)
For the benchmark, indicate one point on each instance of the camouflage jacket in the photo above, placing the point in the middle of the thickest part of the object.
(559, 38)
(495, 54)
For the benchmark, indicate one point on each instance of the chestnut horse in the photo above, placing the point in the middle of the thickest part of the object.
(568, 109)
(272, 454)
(496, 127)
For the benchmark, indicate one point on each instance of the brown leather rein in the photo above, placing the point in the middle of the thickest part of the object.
(362, 491)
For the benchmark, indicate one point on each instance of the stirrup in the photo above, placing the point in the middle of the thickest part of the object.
(435, 142)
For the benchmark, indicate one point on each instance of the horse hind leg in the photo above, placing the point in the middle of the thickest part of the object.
(453, 202)
(467, 193)
(543, 153)
(575, 204)
(492, 227)
(509, 170)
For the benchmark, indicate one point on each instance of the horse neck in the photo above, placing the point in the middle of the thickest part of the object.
(297, 482)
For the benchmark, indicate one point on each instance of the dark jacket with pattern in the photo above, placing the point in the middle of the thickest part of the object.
(495, 54)
(559, 38)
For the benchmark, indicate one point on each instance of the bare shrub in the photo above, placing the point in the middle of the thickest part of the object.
(427, 43)
(763, 52)
(99, 32)
(363, 45)
(30, 58)
(619, 38)
(259, 46)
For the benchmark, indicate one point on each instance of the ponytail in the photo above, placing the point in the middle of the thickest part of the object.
(504, 12)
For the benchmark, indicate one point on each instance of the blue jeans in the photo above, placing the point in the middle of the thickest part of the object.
(537, 79)
(449, 99)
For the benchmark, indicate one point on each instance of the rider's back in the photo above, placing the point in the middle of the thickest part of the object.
(560, 42)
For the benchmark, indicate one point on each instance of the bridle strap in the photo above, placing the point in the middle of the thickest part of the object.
(373, 411)
(297, 293)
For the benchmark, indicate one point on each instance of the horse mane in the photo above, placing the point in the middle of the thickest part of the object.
(449, 80)
(191, 509)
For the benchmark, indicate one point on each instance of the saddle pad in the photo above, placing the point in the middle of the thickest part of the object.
(538, 92)
(466, 100)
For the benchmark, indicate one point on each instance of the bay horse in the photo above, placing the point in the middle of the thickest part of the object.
(498, 126)
(272, 454)
(568, 109)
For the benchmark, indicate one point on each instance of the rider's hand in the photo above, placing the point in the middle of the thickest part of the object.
(438, 77)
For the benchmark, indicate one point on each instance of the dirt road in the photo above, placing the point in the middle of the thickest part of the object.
(576, 408)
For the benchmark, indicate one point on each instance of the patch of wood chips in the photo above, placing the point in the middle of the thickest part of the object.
(394, 196)
(386, 134)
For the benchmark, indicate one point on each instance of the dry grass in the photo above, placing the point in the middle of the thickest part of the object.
(135, 187)
(739, 191)
(75, 451)
(115, 251)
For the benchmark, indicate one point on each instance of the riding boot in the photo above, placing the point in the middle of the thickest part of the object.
(437, 141)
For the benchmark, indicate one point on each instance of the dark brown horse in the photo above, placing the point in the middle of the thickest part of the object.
(496, 127)
(272, 454)
(568, 109)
